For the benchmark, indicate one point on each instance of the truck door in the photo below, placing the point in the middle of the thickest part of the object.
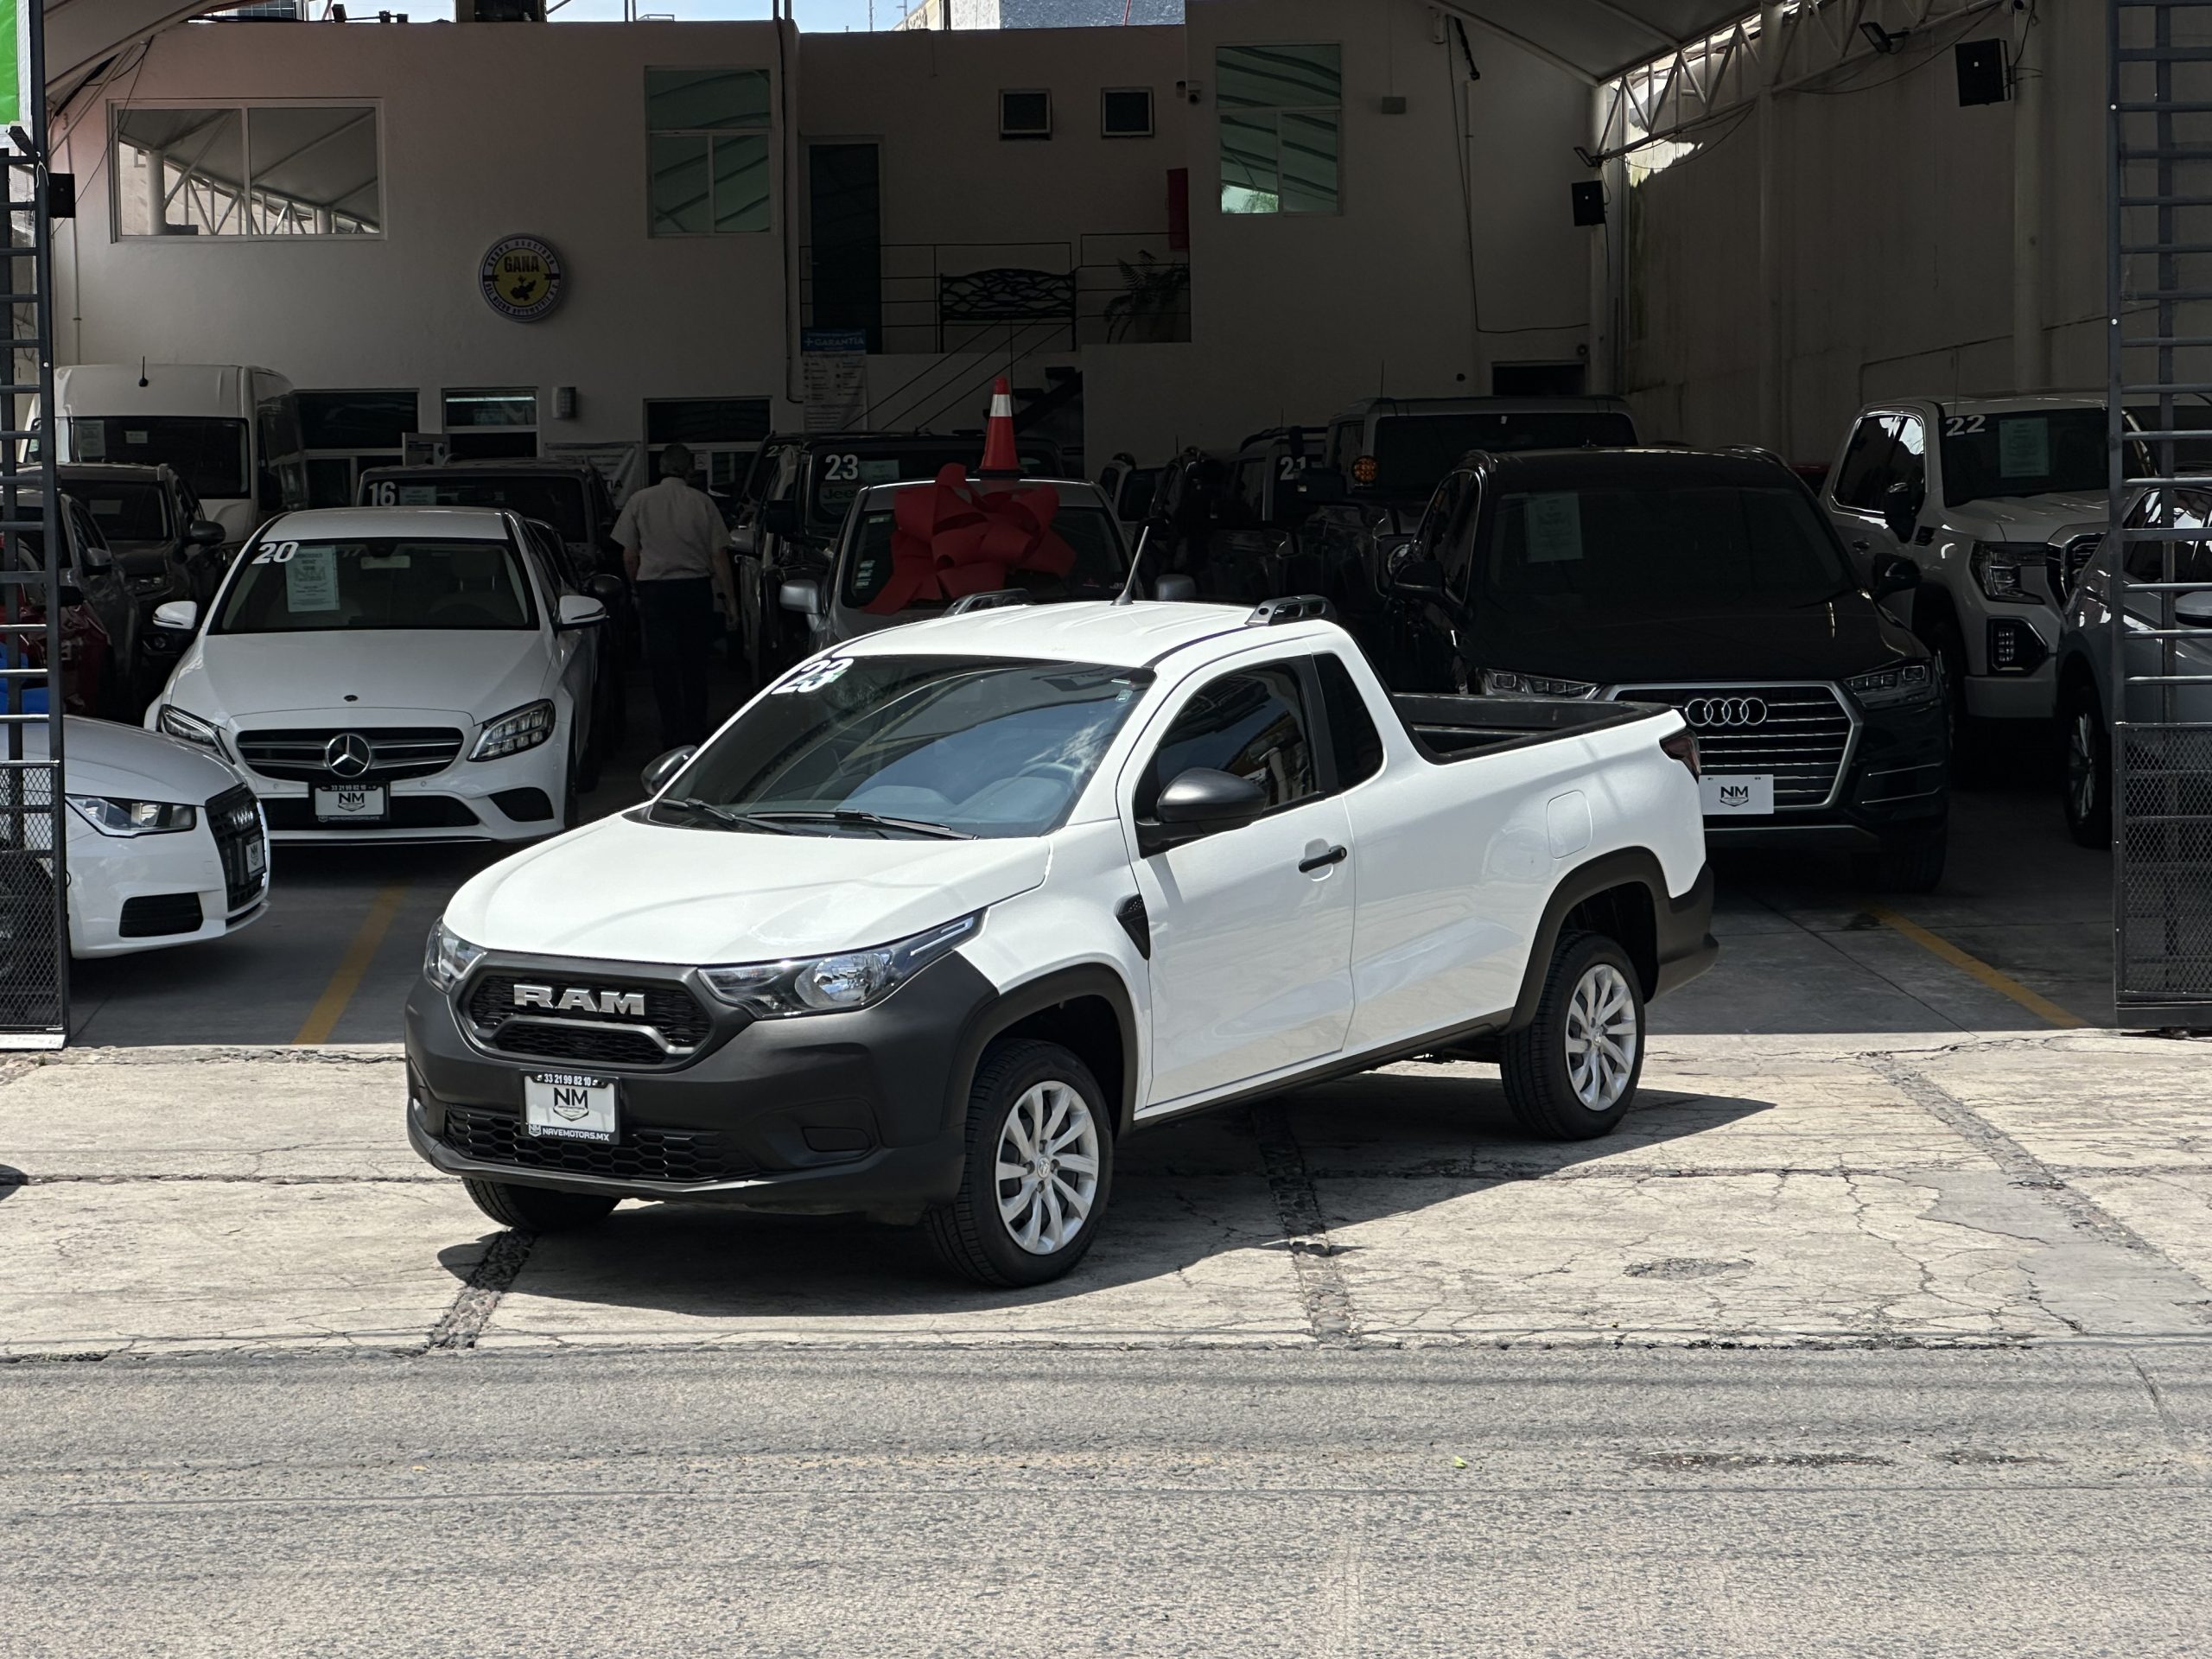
(1251, 928)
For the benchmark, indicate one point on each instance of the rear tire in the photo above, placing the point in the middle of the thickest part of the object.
(537, 1209)
(1571, 1073)
(1966, 737)
(1038, 1171)
(2087, 779)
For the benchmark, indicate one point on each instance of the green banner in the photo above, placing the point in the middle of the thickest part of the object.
(15, 95)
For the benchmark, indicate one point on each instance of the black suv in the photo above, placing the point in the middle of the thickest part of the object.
(793, 503)
(1711, 581)
(165, 547)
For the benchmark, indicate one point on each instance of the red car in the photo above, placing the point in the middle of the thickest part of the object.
(100, 619)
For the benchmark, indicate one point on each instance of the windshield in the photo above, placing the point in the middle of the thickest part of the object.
(558, 501)
(1098, 573)
(837, 477)
(125, 512)
(2040, 452)
(1620, 552)
(382, 582)
(985, 745)
(1414, 452)
(208, 454)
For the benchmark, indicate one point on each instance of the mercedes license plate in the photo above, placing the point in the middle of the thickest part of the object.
(562, 1106)
(350, 806)
(1738, 795)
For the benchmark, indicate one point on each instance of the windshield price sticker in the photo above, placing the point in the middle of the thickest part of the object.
(89, 440)
(815, 677)
(2024, 447)
(310, 579)
(1554, 528)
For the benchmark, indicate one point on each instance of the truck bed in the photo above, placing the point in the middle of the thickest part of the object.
(1448, 727)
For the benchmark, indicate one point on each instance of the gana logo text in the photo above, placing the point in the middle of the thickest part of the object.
(575, 999)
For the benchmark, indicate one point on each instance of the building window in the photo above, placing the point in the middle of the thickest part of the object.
(1024, 115)
(721, 433)
(1125, 113)
(345, 432)
(707, 151)
(1282, 134)
(278, 169)
(490, 422)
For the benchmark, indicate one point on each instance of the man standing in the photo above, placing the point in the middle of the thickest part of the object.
(671, 539)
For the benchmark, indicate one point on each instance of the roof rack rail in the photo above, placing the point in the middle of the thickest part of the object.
(1299, 607)
(1757, 452)
(995, 599)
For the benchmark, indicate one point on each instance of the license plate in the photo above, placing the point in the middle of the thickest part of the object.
(256, 857)
(562, 1106)
(350, 806)
(1740, 795)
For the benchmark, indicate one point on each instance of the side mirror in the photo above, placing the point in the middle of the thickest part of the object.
(1901, 509)
(1321, 486)
(779, 518)
(1176, 590)
(801, 593)
(178, 615)
(2194, 610)
(608, 590)
(745, 541)
(1200, 802)
(581, 611)
(204, 532)
(1894, 573)
(663, 767)
(1409, 575)
(97, 559)
(67, 592)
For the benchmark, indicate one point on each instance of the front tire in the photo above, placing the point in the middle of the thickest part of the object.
(1571, 1073)
(2088, 766)
(1911, 862)
(1038, 1172)
(537, 1209)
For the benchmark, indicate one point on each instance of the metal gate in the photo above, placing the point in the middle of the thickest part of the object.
(34, 564)
(2158, 183)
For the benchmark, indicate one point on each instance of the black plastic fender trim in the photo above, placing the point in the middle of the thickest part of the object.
(1680, 929)
(1033, 996)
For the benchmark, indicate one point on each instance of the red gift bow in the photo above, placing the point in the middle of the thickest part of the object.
(950, 540)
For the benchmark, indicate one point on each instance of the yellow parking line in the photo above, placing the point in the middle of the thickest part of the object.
(323, 1018)
(2003, 984)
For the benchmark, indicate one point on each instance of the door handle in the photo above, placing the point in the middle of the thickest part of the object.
(1322, 861)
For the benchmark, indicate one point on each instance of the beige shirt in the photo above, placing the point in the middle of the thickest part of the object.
(676, 530)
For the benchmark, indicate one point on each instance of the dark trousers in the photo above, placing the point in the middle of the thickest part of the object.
(679, 621)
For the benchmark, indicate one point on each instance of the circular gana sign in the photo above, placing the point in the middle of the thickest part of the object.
(521, 278)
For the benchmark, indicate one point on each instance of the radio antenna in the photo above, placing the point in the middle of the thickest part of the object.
(1136, 564)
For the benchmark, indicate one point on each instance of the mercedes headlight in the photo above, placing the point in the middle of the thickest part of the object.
(1500, 683)
(447, 957)
(113, 817)
(1890, 688)
(175, 722)
(852, 979)
(511, 733)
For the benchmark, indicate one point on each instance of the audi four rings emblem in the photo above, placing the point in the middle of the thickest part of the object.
(1726, 711)
(348, 756)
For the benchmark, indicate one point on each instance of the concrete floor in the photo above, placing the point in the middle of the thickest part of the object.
(1804, 949)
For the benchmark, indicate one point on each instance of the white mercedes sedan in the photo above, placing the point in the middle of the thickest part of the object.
(393, 674)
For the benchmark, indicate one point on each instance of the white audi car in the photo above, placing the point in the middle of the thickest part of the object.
(393, 673)
(166, 844)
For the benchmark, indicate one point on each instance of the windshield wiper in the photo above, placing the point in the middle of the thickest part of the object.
(730, 818)
(847, 817)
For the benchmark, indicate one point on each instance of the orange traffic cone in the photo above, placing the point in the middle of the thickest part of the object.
(1000, 460)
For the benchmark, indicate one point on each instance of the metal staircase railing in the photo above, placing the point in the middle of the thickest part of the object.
(2158, 243)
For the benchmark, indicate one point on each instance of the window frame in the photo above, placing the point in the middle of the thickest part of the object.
(1151, 113)
(244, 108)
(1878, 421)
(1144, 783)
(765, 131)
(1277, 112)
(1022, 135)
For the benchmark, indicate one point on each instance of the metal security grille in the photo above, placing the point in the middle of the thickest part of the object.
(34, 914)
(2159, 282)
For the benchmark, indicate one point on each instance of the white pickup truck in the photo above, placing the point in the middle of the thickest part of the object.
(948, 909)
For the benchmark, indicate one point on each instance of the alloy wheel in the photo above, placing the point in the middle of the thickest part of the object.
(1601, 1036)
(1047, 1172)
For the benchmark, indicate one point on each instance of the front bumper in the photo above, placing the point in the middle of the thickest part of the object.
(517, 797)
(119, 888)
(825, 1114)
(1898, 781)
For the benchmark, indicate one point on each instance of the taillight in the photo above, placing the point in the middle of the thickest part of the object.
(1682, 746)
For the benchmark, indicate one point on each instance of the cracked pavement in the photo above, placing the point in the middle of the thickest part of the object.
(1798, 1190)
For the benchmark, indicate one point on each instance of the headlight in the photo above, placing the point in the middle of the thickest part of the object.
(526, 729)
(193, 729)
(1891, 688)
(1997, 567)
(777, 990)
(447, 957)
(1499, 682)
(112, 817)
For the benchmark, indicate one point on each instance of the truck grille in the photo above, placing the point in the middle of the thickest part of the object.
(667, 1033)
(683, 1156)
(303, 756)
(237, 823)
(1801, 734)
(2064, 565)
